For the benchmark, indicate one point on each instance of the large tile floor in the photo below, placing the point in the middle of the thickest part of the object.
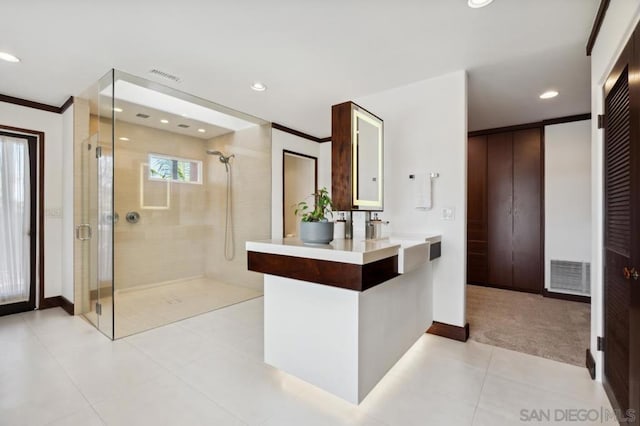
(208, 370)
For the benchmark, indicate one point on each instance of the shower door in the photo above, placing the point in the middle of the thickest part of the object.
(104, 238)
(96, 214)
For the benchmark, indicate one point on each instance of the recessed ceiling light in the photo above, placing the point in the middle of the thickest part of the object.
(201, 130)
(258, 87)
(9, 57)
(116, 109)
(478, 3)
(163, 121)
(549, 94)
(124, 139)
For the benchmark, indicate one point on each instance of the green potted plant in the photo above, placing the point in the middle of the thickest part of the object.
(315, 227)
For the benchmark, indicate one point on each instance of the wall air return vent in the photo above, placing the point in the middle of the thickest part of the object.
(141, 115)
(164, 75)
(184, 126)
(570, 277)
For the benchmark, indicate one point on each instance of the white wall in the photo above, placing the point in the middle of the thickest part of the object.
(426, 131)
(67, 241)
(51, 124)
(567, 192)
(281, 141)
(324, 166)
(621, 18)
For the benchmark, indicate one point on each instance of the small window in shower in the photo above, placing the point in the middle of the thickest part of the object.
(174, 169)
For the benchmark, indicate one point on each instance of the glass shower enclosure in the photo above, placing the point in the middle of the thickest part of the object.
(168, 188)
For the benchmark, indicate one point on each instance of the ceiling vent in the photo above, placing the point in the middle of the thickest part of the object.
(141, 115)
(184, 126)
(165, 75)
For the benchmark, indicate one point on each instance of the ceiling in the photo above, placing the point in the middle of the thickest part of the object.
(135, 113)
(141, 102)
(311, 55)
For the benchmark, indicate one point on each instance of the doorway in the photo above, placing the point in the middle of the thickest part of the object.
(18, 228)
(300, 180)
(529, 230)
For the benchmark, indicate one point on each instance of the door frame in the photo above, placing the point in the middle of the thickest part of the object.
(286, 152)
(36, 139)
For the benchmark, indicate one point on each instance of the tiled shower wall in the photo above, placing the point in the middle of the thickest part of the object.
(166, 244)
(251, 183)
(187, 239)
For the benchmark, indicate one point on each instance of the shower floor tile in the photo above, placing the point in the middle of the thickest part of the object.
(151, 307)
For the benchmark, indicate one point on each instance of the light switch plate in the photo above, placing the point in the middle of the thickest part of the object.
(448, 213)
(53, 212)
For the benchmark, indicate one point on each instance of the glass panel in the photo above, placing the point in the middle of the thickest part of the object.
(105, 211)
(168, 187)
(189, 177)
(88, 222)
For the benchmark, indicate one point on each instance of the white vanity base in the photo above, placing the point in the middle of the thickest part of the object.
(344, 341)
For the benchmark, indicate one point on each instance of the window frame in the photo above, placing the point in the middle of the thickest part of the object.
(200, 168)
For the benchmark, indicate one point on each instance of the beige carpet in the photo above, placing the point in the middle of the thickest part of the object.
(529, 323)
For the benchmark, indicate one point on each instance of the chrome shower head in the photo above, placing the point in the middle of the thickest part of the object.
(223, 159)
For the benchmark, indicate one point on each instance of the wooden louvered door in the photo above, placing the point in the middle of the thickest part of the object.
(621, 235)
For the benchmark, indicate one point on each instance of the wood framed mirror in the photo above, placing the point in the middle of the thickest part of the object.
(357, 158)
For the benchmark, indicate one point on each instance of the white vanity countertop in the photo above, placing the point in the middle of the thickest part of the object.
(339, 250)
(432, 238)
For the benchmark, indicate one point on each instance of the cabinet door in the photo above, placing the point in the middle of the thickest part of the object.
(477, 210)
(499, 212)
(527, 210)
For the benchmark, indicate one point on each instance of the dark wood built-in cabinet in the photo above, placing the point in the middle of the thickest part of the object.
(477, 263)
(357, 137)
(504, 210)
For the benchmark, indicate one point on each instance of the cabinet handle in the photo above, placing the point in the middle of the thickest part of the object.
(80, 235)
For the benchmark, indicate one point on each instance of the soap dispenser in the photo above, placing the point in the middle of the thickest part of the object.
(340, 227)
(376, 227)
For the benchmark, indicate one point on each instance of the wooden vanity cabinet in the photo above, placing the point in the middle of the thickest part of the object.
(357, 158)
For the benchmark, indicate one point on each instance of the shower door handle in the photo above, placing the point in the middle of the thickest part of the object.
(81, 235)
